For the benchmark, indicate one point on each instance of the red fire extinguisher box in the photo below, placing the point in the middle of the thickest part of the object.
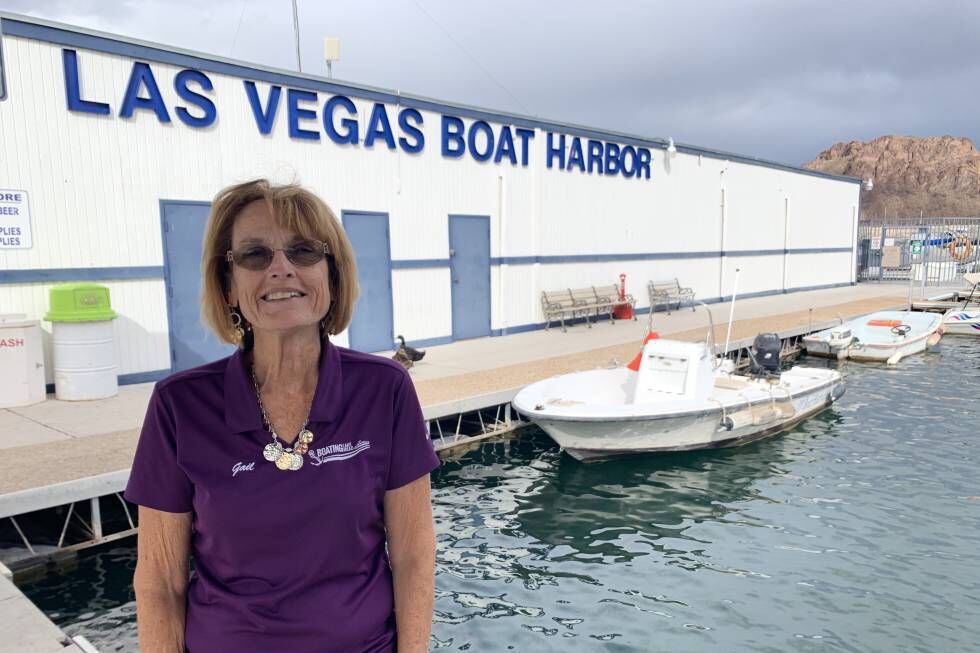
(622, 311)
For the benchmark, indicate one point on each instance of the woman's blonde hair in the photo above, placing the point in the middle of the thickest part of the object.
(295, 209)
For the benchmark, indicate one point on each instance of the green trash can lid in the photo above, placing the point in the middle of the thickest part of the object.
(79, 302)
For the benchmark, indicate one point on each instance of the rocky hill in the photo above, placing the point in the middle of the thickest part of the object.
(937, 175)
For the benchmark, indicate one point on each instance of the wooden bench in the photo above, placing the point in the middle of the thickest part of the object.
(669, 292)
(589, 303)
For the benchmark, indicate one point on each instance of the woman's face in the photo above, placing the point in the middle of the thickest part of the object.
(251, 289)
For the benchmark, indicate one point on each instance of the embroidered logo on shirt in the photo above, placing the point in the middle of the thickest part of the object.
(242, 467)
(336, 452)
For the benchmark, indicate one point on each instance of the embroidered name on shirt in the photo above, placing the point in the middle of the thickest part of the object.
(242, 467)
(336, 452)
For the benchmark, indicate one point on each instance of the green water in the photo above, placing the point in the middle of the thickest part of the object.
(856, 531)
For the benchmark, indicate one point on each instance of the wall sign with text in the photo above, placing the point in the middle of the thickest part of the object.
(15, 220)
(334, 120)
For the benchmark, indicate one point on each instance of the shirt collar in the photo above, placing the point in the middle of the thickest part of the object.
(242, 407)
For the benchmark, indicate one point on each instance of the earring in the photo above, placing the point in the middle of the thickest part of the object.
(236, 322)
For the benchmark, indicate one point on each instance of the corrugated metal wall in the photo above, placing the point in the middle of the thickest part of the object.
(95, 183)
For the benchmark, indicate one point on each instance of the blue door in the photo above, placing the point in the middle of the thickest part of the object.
(469, 267)
(191, 344)
(371, 327)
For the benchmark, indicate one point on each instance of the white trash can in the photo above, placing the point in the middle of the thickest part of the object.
(84, 344)
(22, 361)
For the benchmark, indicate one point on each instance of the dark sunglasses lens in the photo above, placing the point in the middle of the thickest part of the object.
(306, 253)
(256, 258)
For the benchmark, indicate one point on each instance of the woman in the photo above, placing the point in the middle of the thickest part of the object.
(296, 471)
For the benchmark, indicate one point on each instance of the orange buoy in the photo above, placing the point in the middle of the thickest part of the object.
(960, 249)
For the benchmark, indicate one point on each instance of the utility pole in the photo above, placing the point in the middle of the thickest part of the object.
(299, 61)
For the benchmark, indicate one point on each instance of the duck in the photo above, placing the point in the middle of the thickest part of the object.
(401, 357)
(413, 354)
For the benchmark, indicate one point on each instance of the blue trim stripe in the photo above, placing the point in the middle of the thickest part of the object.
(758, 252)
(419, 264)
(57, 275)
(68, 35)
(821, 250)
(130, 379)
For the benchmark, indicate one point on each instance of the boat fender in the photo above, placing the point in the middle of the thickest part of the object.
(737, 420)
(835, 393)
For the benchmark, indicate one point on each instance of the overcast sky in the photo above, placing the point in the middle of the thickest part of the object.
(777, 79)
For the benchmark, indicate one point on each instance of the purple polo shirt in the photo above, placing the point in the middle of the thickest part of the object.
(291, 561)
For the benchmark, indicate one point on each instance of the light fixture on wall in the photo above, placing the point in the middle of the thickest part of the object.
(671, 149)
(869, 183)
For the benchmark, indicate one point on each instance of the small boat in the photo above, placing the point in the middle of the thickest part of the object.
(681, 398)
(885, 336)
(964, 320)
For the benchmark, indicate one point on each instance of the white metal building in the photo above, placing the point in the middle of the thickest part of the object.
(111, 149)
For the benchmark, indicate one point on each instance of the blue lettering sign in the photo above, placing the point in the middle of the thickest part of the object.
(453, 144)
(630, 169)
(595, 155)
(643, 162)
(525, 135)
(378, 125)
(505, 147)
(556, 151)
(73, 93)
(295, 113)
(477, 128)
(200, 101)
(142, 76)
(575, 156)
(411, 130)
(612, 158)
(264, 118)
(350, 134)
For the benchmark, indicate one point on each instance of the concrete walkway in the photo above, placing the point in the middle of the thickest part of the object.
(24, 628)
(83, 439)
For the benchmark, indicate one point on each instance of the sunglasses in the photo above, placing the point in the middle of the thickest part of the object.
(258, 257)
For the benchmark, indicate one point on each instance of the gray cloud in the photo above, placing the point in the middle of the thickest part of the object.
(769, 78)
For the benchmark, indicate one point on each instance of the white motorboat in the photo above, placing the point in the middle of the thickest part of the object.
(679, 399)
(965, 320)
(962, 322)
(885, 336)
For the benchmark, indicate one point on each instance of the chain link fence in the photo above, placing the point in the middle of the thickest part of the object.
(930, 251)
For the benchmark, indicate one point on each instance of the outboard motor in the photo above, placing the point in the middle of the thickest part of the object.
(765, 355)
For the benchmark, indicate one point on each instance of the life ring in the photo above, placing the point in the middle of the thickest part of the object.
(960, 248)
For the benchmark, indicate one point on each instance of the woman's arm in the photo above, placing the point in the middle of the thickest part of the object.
(412, 552)
(163, 554)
